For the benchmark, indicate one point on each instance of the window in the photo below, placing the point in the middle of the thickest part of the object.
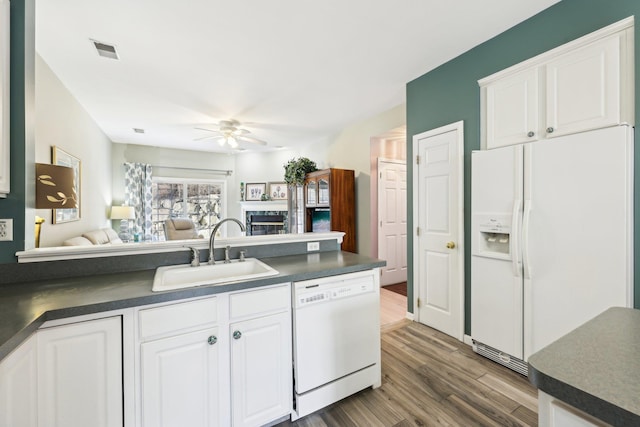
(202, 201)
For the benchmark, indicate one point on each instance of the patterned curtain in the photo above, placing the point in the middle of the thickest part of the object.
(137, 193)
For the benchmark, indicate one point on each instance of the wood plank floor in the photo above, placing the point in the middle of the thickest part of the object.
(431, 379)
(393, 307)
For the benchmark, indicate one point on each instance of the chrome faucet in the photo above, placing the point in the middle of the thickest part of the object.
(195, 257)
(215, 231)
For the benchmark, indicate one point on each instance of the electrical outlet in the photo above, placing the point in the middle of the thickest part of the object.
(313, 246)
(6, 230)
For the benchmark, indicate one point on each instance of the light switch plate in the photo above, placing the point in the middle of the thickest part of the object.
(313, 246)
(6, 230)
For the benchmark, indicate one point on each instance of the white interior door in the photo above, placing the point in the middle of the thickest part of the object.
(392, 217)
(438, 246)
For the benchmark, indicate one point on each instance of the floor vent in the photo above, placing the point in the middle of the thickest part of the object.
(505, 359)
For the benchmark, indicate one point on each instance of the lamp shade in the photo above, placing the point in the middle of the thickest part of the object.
(55, 187)
(123, 212)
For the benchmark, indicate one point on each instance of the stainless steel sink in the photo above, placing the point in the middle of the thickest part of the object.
(184, 276)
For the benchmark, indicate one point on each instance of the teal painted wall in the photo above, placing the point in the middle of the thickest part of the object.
(450, 93)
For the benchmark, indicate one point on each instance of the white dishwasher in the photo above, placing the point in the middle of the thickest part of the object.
(336, 336)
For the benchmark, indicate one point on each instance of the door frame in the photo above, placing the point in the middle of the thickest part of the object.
(397, 162)
(459, 128)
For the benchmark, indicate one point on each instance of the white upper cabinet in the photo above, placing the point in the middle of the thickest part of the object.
(583, 85)
(583, 88)
(4, 98)
(512, 109)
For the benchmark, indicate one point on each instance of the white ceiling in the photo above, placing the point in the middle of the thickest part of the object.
(294, 71)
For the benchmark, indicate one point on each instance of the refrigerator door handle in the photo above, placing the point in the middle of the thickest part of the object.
(515, 237)
(525, 239)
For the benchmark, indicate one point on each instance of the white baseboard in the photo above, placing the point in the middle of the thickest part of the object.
(468, 340)
(410, 316)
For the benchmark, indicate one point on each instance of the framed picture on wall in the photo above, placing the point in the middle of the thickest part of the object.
(278, 190)
(62, 158)
(254, 191)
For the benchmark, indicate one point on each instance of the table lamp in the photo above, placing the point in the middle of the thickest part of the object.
(124, 214)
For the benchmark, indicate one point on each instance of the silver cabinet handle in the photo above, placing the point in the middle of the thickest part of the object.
(530, 134)
(550, 129)
(237, 335)
(212, 340)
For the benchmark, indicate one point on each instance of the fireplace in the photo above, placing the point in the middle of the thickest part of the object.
(264, 223)
(262, 218)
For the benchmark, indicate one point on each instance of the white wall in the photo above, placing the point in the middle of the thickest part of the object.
(61, 121)
(351, 150)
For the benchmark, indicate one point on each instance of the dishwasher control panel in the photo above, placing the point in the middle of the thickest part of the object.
(313, 297)
(319, 293)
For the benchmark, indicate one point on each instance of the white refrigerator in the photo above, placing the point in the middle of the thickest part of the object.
(552, 239)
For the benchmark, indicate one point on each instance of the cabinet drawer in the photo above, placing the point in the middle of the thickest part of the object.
(180, 317)
(251, 303)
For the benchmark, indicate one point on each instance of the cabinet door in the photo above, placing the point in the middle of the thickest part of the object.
(261, 385)
(512, 109)
(180, 380)
(80, 374)
(18, 387)
(323, 191)
(312, 192)
(4, 98)
(583, 88)
(555, 413)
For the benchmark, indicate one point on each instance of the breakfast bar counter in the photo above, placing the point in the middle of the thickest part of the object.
(25, 306)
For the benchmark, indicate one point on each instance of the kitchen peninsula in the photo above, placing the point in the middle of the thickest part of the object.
(592, 372)
(194, 346)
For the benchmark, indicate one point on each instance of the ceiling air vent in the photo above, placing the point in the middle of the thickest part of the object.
(105, 50)
(138, 130)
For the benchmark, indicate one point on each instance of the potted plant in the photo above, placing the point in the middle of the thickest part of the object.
(296, 169)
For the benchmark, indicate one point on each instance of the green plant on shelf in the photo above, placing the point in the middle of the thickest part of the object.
(296, 169)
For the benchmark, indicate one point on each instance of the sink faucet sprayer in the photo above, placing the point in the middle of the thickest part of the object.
(215, 231)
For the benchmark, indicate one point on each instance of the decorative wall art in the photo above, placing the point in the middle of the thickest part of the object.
(278, 190)
(254, 191)
(62, 158)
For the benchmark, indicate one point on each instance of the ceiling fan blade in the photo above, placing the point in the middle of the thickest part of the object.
(208, 130)
(205, 137)
(251, 140)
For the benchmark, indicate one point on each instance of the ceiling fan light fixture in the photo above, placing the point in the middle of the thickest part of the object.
(232, 142)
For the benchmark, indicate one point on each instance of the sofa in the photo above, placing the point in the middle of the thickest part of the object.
(180, 229)
(103, 236)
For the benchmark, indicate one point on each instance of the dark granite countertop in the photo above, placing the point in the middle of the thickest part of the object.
(24, 307)
(596, 367)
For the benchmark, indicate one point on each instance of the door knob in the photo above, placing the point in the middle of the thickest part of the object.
(451, 245)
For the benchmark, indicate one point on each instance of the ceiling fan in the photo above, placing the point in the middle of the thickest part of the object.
(230, 133)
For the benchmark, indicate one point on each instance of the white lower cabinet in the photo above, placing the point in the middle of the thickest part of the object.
(180, 380)
(80, 374)
(65, 376)
(217, 361)
(18, 387)
(261, 388)
(555, 413)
